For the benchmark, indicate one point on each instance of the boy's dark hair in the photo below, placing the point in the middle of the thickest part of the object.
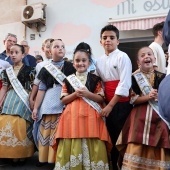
(21, 47)
(39, 57)
(84, 47)
(110, 28)
(157, 27)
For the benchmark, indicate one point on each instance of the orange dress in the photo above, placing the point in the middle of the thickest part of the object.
(80, 120)
(82, 140)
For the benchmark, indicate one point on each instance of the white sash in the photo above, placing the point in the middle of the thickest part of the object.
(146, 87)
(76, 83)
(55, 72)
(19, 89)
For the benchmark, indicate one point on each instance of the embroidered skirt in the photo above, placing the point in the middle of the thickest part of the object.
(46, 137)
(14, 142)
(141, 157)
(80, 154)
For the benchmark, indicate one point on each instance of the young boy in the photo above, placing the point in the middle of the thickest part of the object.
(115, 70)
(47, 59)
(156, 46)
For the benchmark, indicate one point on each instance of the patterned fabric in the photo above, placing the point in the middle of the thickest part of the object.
(82, 77)
(14, 142)
(81, 135)
(80, 120)
(138, 157)
(81, 154)
(53, 106)
(13, 105)
(91, 83)
(46, 135)
(49, 80)
(25, 76)
(146, 129)
(144, 126)
(155, 80)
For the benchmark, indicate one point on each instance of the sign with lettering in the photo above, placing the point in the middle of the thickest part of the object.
(136, 8)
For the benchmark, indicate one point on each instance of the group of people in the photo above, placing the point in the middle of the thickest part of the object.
(79, 119)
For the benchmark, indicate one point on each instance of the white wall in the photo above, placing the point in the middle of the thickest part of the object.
(10, 20)
(75, 21)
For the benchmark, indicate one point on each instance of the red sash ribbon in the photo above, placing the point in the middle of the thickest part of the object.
(110, 88)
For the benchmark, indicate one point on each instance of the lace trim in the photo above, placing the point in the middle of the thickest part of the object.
(144, 161)
(84, 159)
(10, 138)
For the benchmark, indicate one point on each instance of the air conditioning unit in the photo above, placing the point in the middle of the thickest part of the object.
(34, 13)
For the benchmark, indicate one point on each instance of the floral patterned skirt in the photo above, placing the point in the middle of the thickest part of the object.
(81, 154)
(14, 142)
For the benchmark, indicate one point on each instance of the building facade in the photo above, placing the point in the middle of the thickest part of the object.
(75, 21)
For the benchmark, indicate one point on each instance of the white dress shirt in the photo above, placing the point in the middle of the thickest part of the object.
(116, 66)
(160, 57)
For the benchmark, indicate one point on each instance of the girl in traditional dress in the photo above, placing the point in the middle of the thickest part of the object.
(144, 141)
(16, 139)
(81, 136)
(48, 107)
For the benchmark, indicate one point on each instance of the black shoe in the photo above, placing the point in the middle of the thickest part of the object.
(15, 162)
(4, 161)
(40, 164)
(22, 162)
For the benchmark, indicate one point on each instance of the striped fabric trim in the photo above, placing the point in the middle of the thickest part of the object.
(48, 140)
(147, 125)
(49, 124)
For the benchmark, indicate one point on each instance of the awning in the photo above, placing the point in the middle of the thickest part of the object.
(140, 23)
